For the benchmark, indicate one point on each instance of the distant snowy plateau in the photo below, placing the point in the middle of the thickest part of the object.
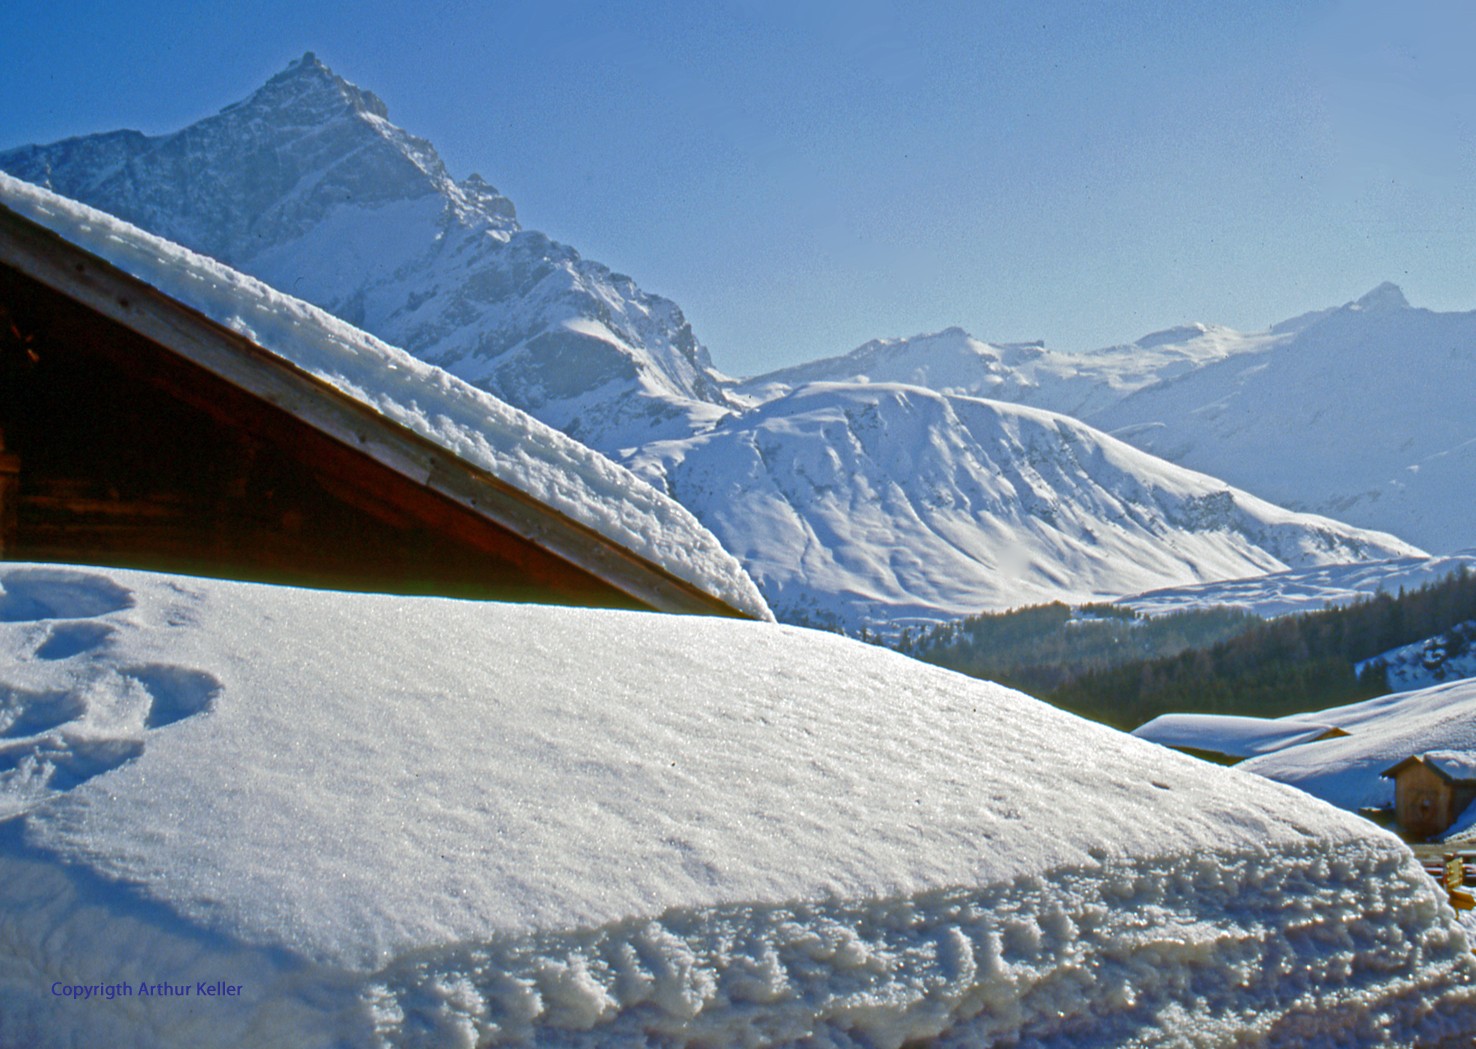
(912, 479)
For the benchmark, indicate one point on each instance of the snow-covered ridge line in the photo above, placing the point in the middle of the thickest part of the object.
(472, 424)
(867, 505)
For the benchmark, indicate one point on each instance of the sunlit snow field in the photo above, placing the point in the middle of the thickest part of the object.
(422, 822)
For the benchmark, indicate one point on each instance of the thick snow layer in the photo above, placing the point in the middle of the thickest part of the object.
(1237, 737)
(421, 822)
(1381, 733)
(870, 504)
(507, 443)
(1309, 589)
(1454, 765)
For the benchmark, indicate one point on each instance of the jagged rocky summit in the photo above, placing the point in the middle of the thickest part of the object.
(308, 186)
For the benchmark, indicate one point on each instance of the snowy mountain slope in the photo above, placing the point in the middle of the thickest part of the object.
(1359, 412)
(1447, 656)
(521, 452)
(1363, 413)
(870, 504)
(1303, 589)
(640, 830)
(309, 187)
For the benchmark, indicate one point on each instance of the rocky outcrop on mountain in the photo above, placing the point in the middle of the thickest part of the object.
(308, 186)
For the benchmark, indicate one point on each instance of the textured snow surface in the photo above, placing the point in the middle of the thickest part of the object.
(1303, 589)
(870, 504)
(507, 443)
(422, 822)
(1233, 736)
(1381, 733)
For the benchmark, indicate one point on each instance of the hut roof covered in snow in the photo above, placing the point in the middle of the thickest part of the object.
(163, 410)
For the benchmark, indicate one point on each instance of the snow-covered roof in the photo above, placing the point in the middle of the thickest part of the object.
(1455, 766)
(1233, 736)
(643, 542)
(1382, 732)
(422, 822)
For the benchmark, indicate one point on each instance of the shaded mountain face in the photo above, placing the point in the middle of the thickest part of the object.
(308, 186)
(871, 505)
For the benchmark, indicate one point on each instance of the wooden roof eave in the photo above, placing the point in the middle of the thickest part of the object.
(102, 287)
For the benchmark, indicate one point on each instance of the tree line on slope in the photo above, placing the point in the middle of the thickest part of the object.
(1122, 668)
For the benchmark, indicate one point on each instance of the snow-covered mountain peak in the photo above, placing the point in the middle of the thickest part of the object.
(311, 93)
(1387, 296)
(951, 360)
(308, 186)
(1172, 336)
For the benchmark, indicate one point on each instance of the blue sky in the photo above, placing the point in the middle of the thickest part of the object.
(802, 177)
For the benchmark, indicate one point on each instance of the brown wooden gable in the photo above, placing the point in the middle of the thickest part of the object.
(139, 433)
(1426, 800)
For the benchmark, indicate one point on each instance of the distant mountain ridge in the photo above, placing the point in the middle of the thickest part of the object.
(1359, 412)
(855, 495)
(875, 505)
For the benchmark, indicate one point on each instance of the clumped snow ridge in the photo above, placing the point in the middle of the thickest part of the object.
(480, 429)
(420, 822)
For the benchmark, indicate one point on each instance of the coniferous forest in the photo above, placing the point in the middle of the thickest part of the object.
(1114, 665)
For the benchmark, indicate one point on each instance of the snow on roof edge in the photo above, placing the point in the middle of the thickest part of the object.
(470, 423)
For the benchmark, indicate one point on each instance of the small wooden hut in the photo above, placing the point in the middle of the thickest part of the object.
(1432, 790)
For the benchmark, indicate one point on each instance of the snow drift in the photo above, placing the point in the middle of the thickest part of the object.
(375, 821)
(1381, 733)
